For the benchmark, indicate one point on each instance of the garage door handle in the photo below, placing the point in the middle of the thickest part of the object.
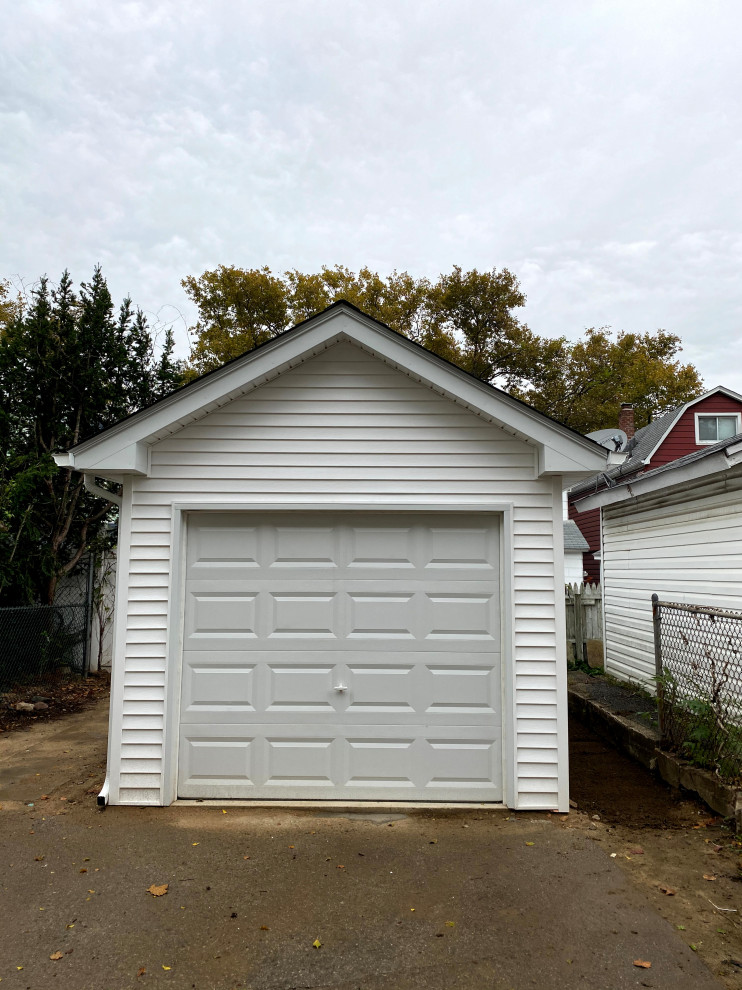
(341, 687)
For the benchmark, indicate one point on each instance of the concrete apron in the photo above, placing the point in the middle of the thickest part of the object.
(433, 899)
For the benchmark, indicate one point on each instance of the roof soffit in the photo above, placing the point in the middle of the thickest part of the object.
(560, 450)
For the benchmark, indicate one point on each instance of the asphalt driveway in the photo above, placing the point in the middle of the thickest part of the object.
(434, 900)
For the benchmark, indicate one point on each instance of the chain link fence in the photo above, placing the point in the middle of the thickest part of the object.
(698, 657)
(40, 642)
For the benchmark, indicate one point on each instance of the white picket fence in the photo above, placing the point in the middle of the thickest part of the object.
(584, 612)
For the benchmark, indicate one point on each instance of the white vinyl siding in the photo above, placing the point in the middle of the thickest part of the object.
(684, 546)
(345, 426)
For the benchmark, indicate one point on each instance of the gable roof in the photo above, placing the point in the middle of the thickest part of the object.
(645, 443)
(123, 447)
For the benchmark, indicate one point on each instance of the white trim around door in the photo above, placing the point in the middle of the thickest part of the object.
(177, 600)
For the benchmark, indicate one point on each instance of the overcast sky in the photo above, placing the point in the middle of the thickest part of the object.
(594, 148)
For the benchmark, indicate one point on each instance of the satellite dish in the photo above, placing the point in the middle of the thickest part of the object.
(611, 439)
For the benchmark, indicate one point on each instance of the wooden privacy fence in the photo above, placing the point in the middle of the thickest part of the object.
(584, 613)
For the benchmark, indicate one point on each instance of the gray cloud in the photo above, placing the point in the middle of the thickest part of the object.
(594, 148)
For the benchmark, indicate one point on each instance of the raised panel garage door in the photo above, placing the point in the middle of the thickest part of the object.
(341, 656)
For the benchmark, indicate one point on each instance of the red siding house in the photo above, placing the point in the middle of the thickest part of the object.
(714, 416)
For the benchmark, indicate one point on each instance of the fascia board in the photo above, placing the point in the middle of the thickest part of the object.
(553, 461)
(674, 478)
(131, 459)
(714, 391)
(479, 398)
(285, 352)
(217, 389)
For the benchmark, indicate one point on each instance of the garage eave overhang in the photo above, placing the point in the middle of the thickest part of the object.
(670, 479)
(130, 459)
(124, 447)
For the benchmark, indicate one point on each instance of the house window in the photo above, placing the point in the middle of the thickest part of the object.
(711, 429)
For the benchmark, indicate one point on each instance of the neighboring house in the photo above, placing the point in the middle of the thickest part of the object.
(340, 576)
(575, 545)
(713, 416)
(675, 531)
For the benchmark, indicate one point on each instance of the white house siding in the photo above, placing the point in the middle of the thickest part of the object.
(345, 426)
(684, 546)
(573, 568)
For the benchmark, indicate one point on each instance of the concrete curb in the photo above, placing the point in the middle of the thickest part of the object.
(642, 743)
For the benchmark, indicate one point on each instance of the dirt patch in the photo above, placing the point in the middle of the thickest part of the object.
(687, 860)
(61, 696)
(607, 783)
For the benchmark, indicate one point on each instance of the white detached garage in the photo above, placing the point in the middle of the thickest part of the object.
(339, 578)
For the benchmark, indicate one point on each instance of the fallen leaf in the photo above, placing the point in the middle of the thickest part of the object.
(638, 851)
(223, 811)
(709, 876)
(613, 855)
(166, 967)
(450, 924)
(83, 869)
(90, 892)
(57, 955)
(291, 847)
(141, 971)
(38, 858)
(680, 928)
(317, 944)
(194, 843)
(694, 947)
(264, 928)
(642, 964)
(530, 843)
(340, 867)
(670, 891)
(433, 842)
(157, 890)
(412, 909)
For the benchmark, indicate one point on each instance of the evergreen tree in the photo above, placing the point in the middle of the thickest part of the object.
(69, 367)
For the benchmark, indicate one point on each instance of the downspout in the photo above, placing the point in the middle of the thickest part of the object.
(94, 489)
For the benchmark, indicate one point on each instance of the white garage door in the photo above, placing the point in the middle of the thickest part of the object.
(341, 656)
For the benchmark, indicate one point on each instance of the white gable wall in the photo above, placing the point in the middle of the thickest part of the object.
(341, 428)
(685, 546)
